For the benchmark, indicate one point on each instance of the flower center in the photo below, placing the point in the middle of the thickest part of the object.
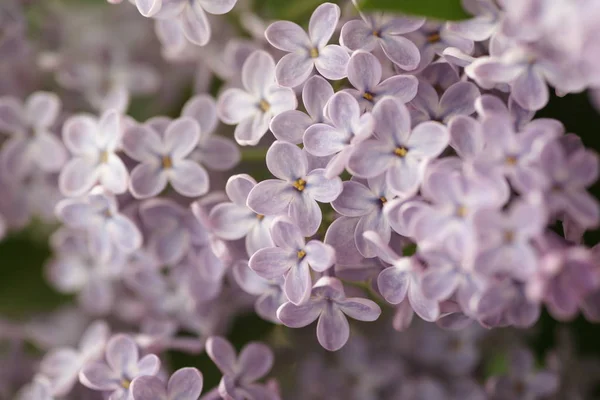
(382, 200)
(264, 105)
(300, 184)
(401, 151)
(167, 162)
(104, 157)
(434, 37)
(368, 96)
(509, 237)
(301, 254)
(314, 52)
(125, 383)
(377, 33)
(260, 217)
(511, 161)
(461, 211)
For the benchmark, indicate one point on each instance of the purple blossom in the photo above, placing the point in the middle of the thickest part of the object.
(107, 229)
(61, 365)
(435, 37)
(385, 31)
(328, 303)
(308, 51)
(367, 201)
(458, 99)
(93, 144)
(290, 125)
(253, 108)
(348, 128)
(399, 152)
(232, 221)
(402, 280)
(292, 257)
(163, 158)
(122, 366)
(32, 144)
(184, 384)
(297, 190)
(485, 23)
(241, 372)
(365, 73)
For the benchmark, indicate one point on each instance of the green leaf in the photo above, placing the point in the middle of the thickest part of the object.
(439, 9)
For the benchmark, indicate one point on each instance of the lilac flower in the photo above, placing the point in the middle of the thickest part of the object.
(522, 381)
(488, 105)
(458, 99)
(348, 128)
(163, 159)
(307, 52)
(386, 32)
(328, 303)
(503, 302)
(232, 221)
(98, 214)
(297, 190)
(565, 177)
(32, 143)
(504, 239)
(191, 15)
(173, 230)
(270, 292)
(365, 72)
(292, 257)
(435, 37)
(486, 20)
(402, 280)
(290, 125)
(61, 365)
(216, 152)
(396, 151)
(366, 201)
(240, 373)
(253, 108)
(184, 384)
(94, 144)
(122, 366)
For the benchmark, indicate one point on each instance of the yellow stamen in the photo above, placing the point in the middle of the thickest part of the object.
(125, 383)
(314, 52)
(434, 37)
(300, 184)
(461, 211)
(377, 33)
(368, 96)
(511, 160)
(383, 200)
(264, 105)
(301, 254)
(401, 151)
(509, 236)
(260, 217)
(104, 157)
(167, 162)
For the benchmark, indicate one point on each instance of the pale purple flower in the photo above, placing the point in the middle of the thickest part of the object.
(434, 38)
(191, 17)
(253, 108)
(61, 365)
(184, 384)
(365, 74)
(32, 144)
(486, 20)
(347, 129)
(366, 200)
(523, 381)
(402, 280)
(309, 51)
(241, 372)
(93, 144)
(565, 175)
(504, 239)
(164, 159)
(173, 230)
(503, 302)
(290, 125)
(214, 151)
(385, 31)
(98, 214)
(399, 152)
(329, 304)
(123, 364)
(269, 291)
(297, 190)
(458, 99)
(293, 258)
(488, 105)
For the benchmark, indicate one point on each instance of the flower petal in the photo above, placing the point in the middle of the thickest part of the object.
(320, 256)
(294, 316)
(393, 284)
(272, 262)
(305, 212)
(148, 388)
(185, 384)
(79, 134)
(42, 109)
(286, 161)
(122, 354)
(332, 329)
(258, 73)
(364, 71)
(321, 188)
(222, 353)
(332, 62)
(78, 176)
(294, 69)
(196, 27)
(360, 309)
(323, 23)
(147, 181)
(189, 179)
(255, 361)
(270, 197)
(298, 283)
(236, 105)
(401, 51)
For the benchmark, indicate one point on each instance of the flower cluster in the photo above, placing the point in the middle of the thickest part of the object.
(405, 172)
